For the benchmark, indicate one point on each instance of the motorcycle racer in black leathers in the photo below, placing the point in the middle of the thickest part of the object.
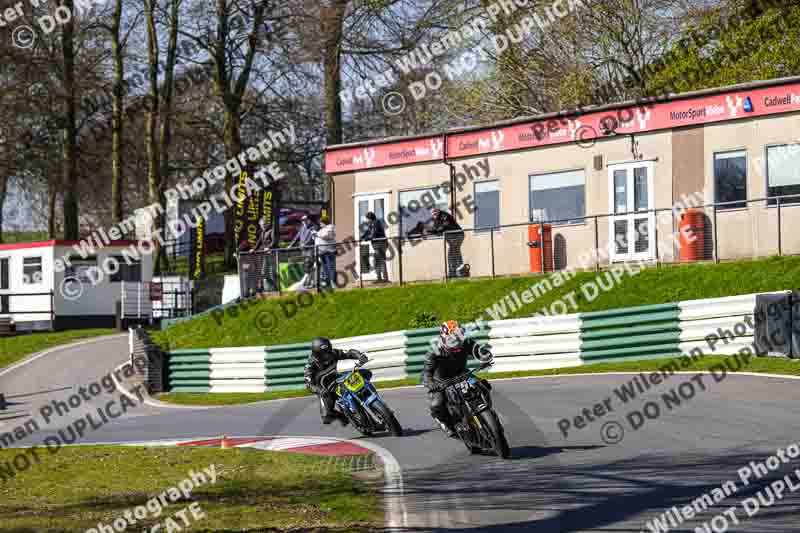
(320, 372)
(448, 359)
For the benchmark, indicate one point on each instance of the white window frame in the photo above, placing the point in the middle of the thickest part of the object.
(575, 222)
(499, 205)
(25, 279)
(632, 254)
(765, 170)
(714, 155)
(371, 274)
(400, 226)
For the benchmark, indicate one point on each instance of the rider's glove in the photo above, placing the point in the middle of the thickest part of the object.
(433, 387)
(362, 359)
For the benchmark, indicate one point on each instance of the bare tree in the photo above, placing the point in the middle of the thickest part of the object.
(69, 131)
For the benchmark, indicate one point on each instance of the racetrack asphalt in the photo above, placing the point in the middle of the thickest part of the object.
(551, 484)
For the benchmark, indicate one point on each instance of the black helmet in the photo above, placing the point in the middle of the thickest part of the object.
(320, 345)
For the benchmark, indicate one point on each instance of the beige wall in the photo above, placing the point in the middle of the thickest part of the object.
(682, 163)
(688, 154)
(752, 231)
(343, 216)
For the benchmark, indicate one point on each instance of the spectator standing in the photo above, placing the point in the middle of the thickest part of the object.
(305, 240)
(445, 224)
(376, 234)
(263, 248)
(325, 241)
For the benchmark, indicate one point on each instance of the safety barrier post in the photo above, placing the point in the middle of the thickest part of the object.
(52, 316)
(400, 256)
(360, 264)
(780, 248)
(716, 244)
(655, 235)
(491, 243)
(541, 246)
(596, 246)
(276, 274)
(242, 285)
(446, 266)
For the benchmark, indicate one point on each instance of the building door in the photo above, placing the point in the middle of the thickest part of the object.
(632, 227)
(366, 250)
(4, 285)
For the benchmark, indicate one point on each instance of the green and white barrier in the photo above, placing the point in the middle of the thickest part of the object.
(535, 343)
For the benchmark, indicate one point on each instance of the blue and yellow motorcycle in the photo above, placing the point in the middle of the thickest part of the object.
(358, 399)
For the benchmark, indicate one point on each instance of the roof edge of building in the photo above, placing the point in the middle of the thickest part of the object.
(669, 97)
(55, 242)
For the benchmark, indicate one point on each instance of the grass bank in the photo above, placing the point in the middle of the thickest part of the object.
(762, 365)
(76, 488)
(13, 349)
(369, 311)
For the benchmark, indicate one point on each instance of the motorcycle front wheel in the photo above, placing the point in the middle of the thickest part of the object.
(496, 434)
(361, 420)
(389, 420)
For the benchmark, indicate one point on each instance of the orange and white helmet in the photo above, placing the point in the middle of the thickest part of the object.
(452, 336)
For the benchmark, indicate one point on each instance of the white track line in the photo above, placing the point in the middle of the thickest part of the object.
(396, 515)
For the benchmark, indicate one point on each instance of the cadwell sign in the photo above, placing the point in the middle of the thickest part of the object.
(642, 117)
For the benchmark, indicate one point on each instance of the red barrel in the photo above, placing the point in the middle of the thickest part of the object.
(535, 243)
(692, 235)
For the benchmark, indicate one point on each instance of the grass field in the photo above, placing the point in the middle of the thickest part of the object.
(77, 488)
(763, 365)
(12, 349)
(362, 312)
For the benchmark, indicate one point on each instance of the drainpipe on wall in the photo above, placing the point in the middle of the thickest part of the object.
(331, 198)
(452, 178)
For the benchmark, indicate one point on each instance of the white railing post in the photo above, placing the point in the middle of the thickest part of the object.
(122, 305)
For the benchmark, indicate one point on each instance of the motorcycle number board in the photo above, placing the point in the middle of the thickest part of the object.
(355, 382)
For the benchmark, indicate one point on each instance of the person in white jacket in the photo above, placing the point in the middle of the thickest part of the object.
(325, 240)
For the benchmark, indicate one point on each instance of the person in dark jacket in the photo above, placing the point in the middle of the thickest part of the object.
(445, 224)
(320, 373)
(305, 241)
(447, 359)
(376, 234)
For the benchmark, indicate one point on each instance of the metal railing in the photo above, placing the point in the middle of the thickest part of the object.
(156, 299)
(730, 230)
(11, 308)
(178, 253)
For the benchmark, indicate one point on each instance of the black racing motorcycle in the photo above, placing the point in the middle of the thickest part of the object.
(469, 401)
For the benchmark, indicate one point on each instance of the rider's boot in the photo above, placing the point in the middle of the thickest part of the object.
(447, 428)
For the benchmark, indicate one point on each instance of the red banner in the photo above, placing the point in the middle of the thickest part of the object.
(582, 129)
(385, 155)
(646, 117)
